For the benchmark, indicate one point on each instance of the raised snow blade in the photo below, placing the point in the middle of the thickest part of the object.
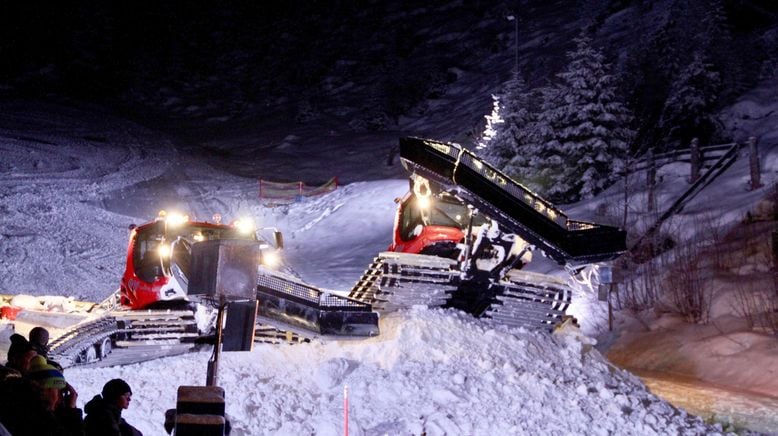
(292, 305)
(511, 204)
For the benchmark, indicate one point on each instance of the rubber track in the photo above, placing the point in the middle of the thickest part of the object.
(147, 326)
(397, 281)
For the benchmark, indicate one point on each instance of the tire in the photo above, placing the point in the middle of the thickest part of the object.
(105, 348)
(88, 356)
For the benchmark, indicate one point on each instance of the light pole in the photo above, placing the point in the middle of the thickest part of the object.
(515, 42)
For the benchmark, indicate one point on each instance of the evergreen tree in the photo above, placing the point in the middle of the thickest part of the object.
(721, 51)
(583, 127)
(650, 70)
(507, 129)
(515, 133)
(486, 146)
(690, 105)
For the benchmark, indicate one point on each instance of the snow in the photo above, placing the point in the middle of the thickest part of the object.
(430, 371)
(72, 180)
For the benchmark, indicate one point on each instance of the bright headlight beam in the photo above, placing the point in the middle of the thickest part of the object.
(270, 259)
(245, 225)
(176, 219)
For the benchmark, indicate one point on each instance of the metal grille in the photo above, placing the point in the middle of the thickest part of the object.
(310, 294)
(288, 287)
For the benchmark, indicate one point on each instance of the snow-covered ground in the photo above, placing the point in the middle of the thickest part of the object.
(72, 180)
(432, 372)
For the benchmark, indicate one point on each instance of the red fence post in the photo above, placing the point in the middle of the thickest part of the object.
(345, 410)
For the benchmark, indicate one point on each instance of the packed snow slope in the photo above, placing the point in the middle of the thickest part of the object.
(72, 180)
(430, 372)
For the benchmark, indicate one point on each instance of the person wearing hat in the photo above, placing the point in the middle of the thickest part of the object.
(35, 404)
(55, 391)
(20, 354)
(104, 412)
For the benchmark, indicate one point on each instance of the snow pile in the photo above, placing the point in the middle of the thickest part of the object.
(47, 303)
(430, 371)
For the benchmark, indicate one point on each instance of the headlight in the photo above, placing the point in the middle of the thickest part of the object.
(245, 225)
(164, 251)
(176, 219)
(270, 259)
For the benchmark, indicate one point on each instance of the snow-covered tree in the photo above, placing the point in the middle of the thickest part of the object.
(517, 129)
(507, 128)
(486, 147)
(717, 44)
(688, 111)
(583, 127)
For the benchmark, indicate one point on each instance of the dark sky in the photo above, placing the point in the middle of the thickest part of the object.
(327, 53)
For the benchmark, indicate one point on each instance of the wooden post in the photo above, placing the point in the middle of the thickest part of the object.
(775, 261)
(753, 159)
(696, 160)
(390, 157)
(610, 308)
(651, 181)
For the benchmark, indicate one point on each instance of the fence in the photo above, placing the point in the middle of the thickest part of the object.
(279, 193)
(700, 158)
(707, 163)
(710, 153)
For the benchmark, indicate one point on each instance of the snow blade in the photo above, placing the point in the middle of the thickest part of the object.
(522, 211)
(295, 306)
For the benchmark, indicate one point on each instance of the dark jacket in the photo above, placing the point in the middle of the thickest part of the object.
(22, 412)
(8, 372)
(103, 419)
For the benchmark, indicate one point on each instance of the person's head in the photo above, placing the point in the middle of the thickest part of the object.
(20, 353)
(117, 393)
(49, 380)
(39, 340)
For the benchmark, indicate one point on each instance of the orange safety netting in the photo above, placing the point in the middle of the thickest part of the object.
(289, 192)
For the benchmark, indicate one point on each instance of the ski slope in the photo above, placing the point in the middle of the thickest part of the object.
(73, 180)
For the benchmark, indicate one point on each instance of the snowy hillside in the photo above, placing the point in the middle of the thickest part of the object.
(437, 372)
(104, 121)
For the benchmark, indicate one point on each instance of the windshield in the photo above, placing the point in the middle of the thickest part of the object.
(445, 210)
(145, 254)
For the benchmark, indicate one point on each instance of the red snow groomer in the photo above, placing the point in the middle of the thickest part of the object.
(463, 234)
(439, 223)
(175, 269)
(158, 256)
